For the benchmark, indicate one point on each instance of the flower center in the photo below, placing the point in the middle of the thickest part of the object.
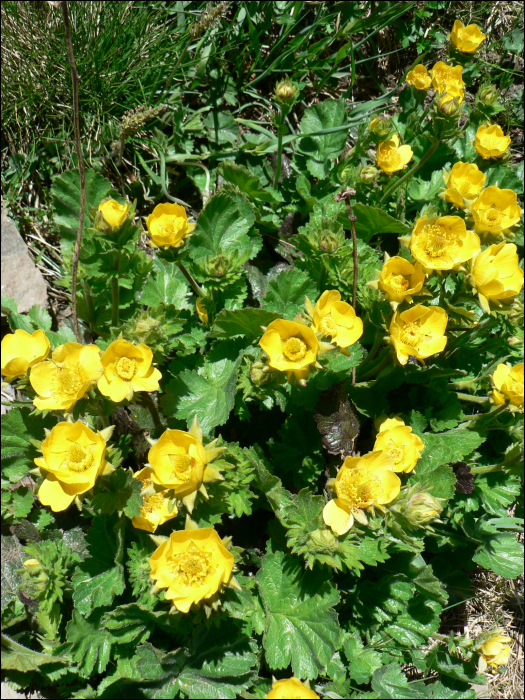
(171, 227)
(152, 504)
(70, 380)
(397, 453)
(515, 387)
(492, 216)
(328, 326)
(491, 141)
(125, 368)
(399, 283)
(437, 241)
(182, 466)
(411, 334)
(190, 568)
(294, 349)
(359, 488)
(78, 459)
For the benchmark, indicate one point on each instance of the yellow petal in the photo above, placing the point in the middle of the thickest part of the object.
(337, 516)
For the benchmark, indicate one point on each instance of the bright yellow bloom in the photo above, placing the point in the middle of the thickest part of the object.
(400, 279)
(392, 157)
(290, 688)
(201, 311)
(111, 216)
(443, 243)
(418, 332)
(495, 211)
(291, 347)
(21, 350)
(397, 440)
(419, 78)
(508, 385)
(127, 368)
(181, 463)
(193, 565)
(335, 318)
(67, 377)
(447, 79)
(466, 39)
(496, 274)
(494, 652)
(157, 508)
(362, 482)
(490, 141)
(168, 226)
(464, 183)
(74, 458)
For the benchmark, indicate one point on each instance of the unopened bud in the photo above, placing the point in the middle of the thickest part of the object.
(422, 508)
(32, 566)
(448, 105)
(370, 174)
(324, 538)
(218, 266)
(111, 216)
(487, 95)
(381, 127)
(144, 327)
(285, 91)
(259, 373)
(328, 242)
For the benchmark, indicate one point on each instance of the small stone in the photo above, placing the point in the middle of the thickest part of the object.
(21, 279)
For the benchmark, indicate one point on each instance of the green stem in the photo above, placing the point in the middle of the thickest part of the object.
(149, 403)
(412, 170)
(376, 368)
(89, 301)
(114, 302)
(280, 135)
(373, 350)
(199, 291)
(472, 399)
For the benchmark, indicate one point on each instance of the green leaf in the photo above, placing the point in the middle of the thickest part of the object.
(17, 503)
(504, 177)
(116, 493)
(207, 393)
(17, 657)
(223, 229)
(361, 662)
(371, 221)
(166, 286)
(501, 553)
(128, 624)
(301, 624)
(243, 322)
(62, 336)
(390, 682)
(18, 453)
(221, 127)
(40, 318)
(100, 578)
(498, 491)
(285, 295)
(89, 643)
(66, 202)
(248, 183)
(426, 190)
(320, 150)
(465, 671)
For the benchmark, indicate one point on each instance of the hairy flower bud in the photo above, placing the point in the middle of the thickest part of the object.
(259, 373)
(218, 266)
(449, 106)
(328, 242)
(487, 95)
(285, 91)
(381, 127)
(369, 174)
(422, 509)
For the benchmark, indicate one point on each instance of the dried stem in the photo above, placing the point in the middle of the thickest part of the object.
(75, 81)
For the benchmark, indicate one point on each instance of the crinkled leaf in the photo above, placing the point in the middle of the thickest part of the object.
(89, 643)
(118, 492)
(361, 662)
(501, 553)
(371, 221)
(165, 286)
(12, 564)
(40, 318)
(320, 150)
(285, 295)
(17, 657)
(248, 183)
(243, 322)
(18, 429)
(221, 127)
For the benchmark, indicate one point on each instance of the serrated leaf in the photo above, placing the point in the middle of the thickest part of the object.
(320, 150)
(243, 322)
(18, 453)
(17, 657)
(128, 624)
(165, 286)
(498, 491)
(118, 492)
(221, 127)
(390, 682)
(440, 660)
(98, 579)
(501, 553)
(62, 336)
(361, 662)
(248, 183)
(301, 624)
(89, 643)
(223, 227)
(39, 317)
(17, 503)
(371, 221)
(66, 202)
(285, 295)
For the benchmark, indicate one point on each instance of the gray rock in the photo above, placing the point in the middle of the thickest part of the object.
(21, 279)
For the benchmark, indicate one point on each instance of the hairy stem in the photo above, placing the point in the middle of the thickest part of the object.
(383, 360)
(115, 302)
(280, 135)
(76, 113)
(472, 399)
(199, 291)
(373, 350)
(149, 403)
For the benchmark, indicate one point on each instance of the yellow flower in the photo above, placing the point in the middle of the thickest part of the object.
(362, 482)
(443, 243)
(193, 565)
(157, 508)
(466, 39)
(127, 368)
(74, 458)
(392, 157)
(397, 440)
(67, 377)
(21, 350)
(291, 347)
(419, 78)
(418, 332)
(495, 651)
(290, 688)
(496, 274)
(447, 79)
(495, 210)
(168, 225)
(508, 385)
(335, 318)
(180, 462)
(464, 183)
(490, 141)
(201, 311)
(400, 279)
(449, 105)
(111, 216)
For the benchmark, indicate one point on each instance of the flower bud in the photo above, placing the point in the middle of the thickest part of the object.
(324, 538)
(218, 266)
(111, 216)
(487, 95)
(328, 242)
(32, 566)
(259, 373)
(449, 106)
(422, 508)
(381, 127)
(145, 328)
(285, 91)
(369, 174)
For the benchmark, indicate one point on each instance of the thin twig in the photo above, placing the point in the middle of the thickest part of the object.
(344, 196)
(81, 172)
